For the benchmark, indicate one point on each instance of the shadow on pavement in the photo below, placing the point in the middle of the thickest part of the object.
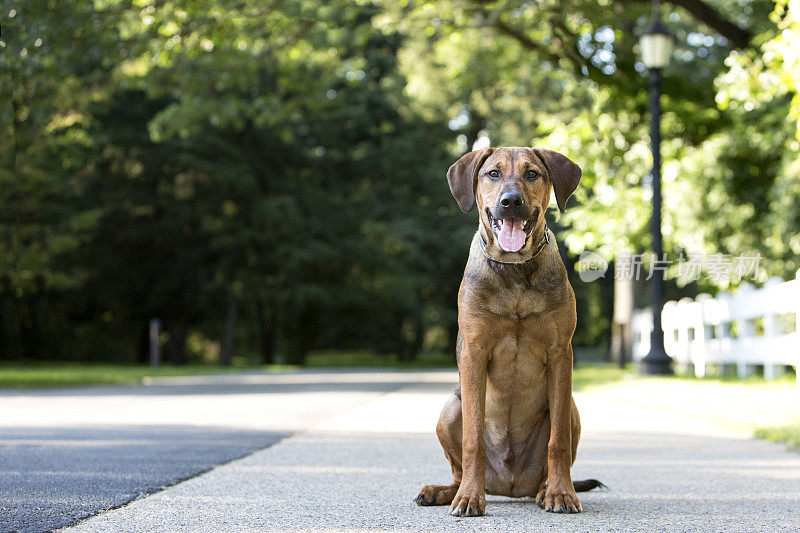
(53, 477)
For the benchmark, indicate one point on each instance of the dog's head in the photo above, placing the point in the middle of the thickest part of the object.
(512, 189)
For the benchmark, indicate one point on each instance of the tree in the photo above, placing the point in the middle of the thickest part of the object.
(272, 174)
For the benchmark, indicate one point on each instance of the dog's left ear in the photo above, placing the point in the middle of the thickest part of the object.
(462, 176)
(564, 173)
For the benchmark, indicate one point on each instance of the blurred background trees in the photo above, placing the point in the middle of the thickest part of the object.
(267, 178)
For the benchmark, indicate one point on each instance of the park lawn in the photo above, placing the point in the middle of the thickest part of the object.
(789, 435)
(586, 357)
(588, 375)
(367, 359)
(45, 375)
(765, 409)
(747, 405)
(70, 374)
(42, 375)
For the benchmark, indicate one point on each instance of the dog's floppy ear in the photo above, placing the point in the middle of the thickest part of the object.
(564, 173)
(463, 177)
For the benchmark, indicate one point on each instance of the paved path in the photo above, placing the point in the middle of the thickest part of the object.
(358, 470)
(70, 453)
(53, 477)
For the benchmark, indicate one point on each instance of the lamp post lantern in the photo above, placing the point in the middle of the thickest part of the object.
(656, 47)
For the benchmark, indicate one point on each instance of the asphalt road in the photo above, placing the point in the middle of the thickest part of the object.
(70, 453)
(363, 447)
(53, 477)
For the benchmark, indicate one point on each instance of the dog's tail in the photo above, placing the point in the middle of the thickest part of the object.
(587, 484)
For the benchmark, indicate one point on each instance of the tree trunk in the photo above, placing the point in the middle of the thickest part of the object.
(620, 350)
(410, 348)
(401, 346)
(621, 324)
(296, 352)
(143, 344)
(9, 330)
(16, 104)
(38, 341)
(230, 333)
(177, 344)
(267, 326)
(419, 340)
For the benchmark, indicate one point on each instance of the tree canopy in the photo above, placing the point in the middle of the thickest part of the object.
(282, 163)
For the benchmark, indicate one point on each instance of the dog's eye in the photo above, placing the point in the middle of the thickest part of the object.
(532, 175)
(494, 174)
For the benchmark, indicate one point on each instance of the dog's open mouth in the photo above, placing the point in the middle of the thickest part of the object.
(512, 232)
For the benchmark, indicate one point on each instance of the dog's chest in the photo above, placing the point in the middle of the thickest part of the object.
(516, 367)
(516, 388)
(516, 377)
(518, 303)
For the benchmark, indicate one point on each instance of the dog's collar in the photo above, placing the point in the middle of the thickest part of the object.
(545, 240)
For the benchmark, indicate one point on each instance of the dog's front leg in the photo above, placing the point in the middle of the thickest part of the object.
(559, 493)
(470, 500)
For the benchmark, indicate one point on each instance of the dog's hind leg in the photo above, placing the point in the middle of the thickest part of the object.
(449, 432)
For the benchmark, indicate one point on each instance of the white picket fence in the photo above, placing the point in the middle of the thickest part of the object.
(751, 327)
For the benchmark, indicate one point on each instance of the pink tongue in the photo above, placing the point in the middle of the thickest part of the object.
(511, 237)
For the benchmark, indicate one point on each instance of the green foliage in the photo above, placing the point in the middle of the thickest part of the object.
(246, 152)
(565, 75)
(25, 376)
(788, 435)
(588, 375)
(366, 359)
(285, 160)
(761, 90)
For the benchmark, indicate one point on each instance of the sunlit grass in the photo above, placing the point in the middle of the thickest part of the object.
(789, 435)
(588, 375)
(764, 409)
(367, 359)
(747, 404)
(75, 374)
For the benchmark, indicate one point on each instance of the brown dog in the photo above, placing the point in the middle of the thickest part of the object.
(513, 427)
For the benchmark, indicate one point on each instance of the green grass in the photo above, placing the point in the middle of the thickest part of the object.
(76, 374)
(33, 375)
(588, 375)
(710, 397)
(331, 358)
(788, 435)
(747, 405)
(69, 374)
(367, 359)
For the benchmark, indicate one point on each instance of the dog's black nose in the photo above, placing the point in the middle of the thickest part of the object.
(512, 205)
(511, 199)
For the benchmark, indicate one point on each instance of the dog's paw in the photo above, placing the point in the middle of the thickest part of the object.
(436, 494)
(558, 498)
(468, 501)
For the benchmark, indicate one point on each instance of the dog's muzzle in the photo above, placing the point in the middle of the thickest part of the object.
(512, 224)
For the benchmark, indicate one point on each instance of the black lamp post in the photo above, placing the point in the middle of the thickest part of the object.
(656, 44)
